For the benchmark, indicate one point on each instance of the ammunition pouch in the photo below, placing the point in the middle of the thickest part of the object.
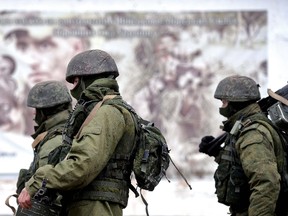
(238, 192)
(231, 184)
(221, 177)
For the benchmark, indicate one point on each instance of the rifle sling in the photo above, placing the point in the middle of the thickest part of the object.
(277, 97)
(93, 113)
(8, 204)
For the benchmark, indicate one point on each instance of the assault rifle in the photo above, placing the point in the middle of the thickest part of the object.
(42, 204)
(268, 101)
(264, 103)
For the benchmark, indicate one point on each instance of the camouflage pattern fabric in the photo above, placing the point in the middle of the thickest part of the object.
(109, 132)
(237, 89)
(91, 62)
(256, 152)
(48, 94)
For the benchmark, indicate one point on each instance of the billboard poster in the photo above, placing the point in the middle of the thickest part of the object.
(169, 65)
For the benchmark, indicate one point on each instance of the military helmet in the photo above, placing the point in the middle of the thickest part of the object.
(48, 94)
(237, 89)
(91, 62)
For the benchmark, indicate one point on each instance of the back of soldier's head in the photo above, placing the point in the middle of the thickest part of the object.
(237, 88)
(48, 94)
(96, 63)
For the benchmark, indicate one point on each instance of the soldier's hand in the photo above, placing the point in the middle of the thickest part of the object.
(205, 145)
(24, 199)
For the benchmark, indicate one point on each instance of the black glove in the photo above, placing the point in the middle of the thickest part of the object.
(205, 144)
(210, 145)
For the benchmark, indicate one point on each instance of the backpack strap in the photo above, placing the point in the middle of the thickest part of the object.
(8, 204)
(93, 112)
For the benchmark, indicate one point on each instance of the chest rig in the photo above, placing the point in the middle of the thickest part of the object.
(231, 184)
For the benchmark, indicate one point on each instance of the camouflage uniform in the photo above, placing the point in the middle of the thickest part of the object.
(94, 178)
(256, 152)
(249, 165)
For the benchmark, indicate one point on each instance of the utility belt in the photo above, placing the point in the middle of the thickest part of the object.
(102, 190)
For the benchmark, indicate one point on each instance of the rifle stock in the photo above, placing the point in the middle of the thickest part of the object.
(268, 101)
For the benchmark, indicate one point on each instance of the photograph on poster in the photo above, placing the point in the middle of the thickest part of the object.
(169, 65)
(169, 62)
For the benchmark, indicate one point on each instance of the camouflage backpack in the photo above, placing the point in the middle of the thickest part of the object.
(151, 155)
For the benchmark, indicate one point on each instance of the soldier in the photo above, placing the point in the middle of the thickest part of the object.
(251, 162)
(52, 103)
(95, 175)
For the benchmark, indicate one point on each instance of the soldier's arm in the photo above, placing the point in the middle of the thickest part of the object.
(259, 164)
